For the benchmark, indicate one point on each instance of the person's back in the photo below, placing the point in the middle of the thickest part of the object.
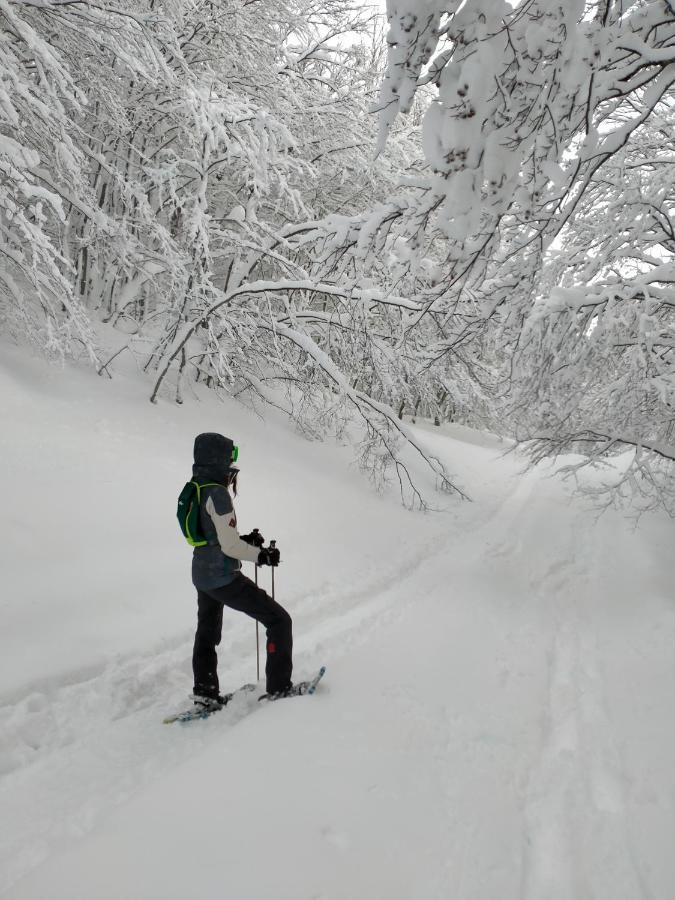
(212, 470)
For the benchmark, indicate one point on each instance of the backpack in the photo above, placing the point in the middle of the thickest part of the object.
(189, 503)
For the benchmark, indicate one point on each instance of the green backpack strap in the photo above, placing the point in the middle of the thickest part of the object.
(187, 512)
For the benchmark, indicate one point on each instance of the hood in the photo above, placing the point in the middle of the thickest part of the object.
(213, 456)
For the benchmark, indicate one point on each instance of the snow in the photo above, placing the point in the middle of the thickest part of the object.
(495, 721)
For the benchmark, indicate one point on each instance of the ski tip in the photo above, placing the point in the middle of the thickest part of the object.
(315, 681)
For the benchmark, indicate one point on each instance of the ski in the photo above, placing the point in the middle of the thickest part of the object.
(189, 715)
(302, 687)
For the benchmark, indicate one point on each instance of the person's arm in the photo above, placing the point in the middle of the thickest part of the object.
(222, 516)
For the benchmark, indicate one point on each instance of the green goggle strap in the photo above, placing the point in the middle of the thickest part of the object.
(235, 454)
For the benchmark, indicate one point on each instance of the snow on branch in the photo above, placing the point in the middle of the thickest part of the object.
(548, 196)
(378, 416)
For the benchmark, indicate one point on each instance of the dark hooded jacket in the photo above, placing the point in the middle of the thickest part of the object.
(212, 455)
(211, 566)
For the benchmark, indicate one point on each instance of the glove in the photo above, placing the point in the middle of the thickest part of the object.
(269, 556)
(254, 538)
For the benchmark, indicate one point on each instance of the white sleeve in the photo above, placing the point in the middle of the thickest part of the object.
(228, 536)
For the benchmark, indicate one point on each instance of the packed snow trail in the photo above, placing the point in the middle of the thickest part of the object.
(462, 746)
(496, 722)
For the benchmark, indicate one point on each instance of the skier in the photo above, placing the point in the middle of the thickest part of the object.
(216, 573)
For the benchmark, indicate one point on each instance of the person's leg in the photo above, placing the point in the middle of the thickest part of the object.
(207, 638)
(243, 595)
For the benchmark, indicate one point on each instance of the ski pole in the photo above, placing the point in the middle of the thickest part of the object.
(273, 545)
(257, 637)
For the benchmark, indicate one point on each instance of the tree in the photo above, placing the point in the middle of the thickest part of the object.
(548, 119)
(208, 146)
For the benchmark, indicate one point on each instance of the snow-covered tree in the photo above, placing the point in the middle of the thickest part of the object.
(42, 179)
(190, 155)
(598, 365)
(548, 195)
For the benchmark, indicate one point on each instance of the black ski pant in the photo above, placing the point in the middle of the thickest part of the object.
(243, 595)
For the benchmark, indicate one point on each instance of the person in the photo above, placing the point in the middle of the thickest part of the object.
(217, 576)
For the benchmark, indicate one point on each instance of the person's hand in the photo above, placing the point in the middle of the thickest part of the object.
(254, 538)
(269, 556)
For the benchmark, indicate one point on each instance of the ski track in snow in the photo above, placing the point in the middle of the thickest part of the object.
(86, 745)
(578, 770)
(104, 732)
(44, 720)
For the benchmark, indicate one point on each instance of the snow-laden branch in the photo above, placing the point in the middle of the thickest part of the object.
(262, 287)
(368, 408)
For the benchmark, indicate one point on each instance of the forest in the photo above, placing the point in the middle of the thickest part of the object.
(456, 209)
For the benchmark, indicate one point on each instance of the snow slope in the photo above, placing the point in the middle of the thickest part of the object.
(495, 723)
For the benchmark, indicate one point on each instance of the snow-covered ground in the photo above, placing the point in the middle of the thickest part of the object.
(497, 717)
